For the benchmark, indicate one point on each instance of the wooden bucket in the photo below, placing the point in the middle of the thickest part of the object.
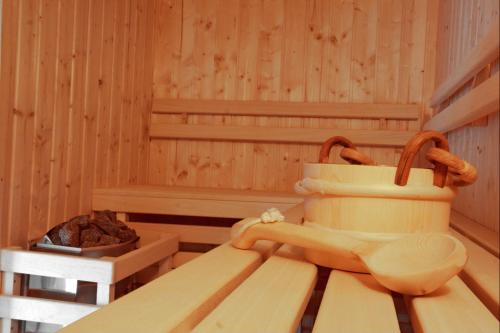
(375, 203)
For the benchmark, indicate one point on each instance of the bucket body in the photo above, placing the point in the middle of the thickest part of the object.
(364, 202)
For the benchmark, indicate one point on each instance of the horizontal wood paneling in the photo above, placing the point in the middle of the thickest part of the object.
(275, 134)
(75, 97)
(290, 109)
(309, 51)
(462, 26)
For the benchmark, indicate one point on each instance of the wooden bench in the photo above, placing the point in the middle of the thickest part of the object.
(190, 201)
(153, 249)
(266, 289)
(183, 201)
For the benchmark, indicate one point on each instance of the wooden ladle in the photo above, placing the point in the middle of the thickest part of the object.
(416, 264)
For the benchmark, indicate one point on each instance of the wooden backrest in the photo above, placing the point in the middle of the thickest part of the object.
(163, 128)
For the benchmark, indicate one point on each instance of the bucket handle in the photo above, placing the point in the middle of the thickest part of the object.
(462, 172)
(411, 149)
(349, 153)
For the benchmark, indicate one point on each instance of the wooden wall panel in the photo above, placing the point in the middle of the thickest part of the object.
(75, 97)
(363, 51)
(462, 23)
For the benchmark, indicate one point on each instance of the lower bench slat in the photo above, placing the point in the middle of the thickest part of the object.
(176, 301)
(481, 274)
(272, 299)
(451, 308)
(42, 310)
(355, 303)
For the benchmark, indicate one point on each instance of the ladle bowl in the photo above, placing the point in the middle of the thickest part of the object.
(415, 264)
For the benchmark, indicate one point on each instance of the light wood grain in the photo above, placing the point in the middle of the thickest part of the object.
(65, 75)
(481, 235)
(478, 103)
(62, 266)
(291, 109)
(191, 201)
(284, 281)
(179, 293)
(481, 274)
(452, 308)
(181, 257)
(392, 262)
(479, 146)
(284, 135)
(272, 51)
(7, 289)
(482, 54)
(355, 303)
(144, 256)
(458, 36)
(42, 310)
(187, 233)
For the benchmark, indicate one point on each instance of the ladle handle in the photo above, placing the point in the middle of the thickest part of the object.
(349, 153)
(334, 243)
(410, 151)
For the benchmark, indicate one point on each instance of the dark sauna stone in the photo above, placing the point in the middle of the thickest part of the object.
(82, 231)
(82, 221)
(91, 234)
(127, 234)
(89, 244)
(70, 234)
(105, 215)
(106, 220)
(107, 227)
(54, 235)
(108, 240)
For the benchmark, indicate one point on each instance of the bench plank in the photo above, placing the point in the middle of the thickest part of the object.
(476, 232)
(180, 258)
(186, 294)
(42, 310)
(481, 274)
(134, 261)
(451, 308)
(272, 299)
(190, 201)
(355, 303)
(187, 233)
(179, 300)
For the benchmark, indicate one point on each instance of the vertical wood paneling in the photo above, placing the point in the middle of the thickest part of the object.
(61, 110)
(23, 118)
(73, 180)
(462, 23)
(94, 46)
(291, 50)
(44, 117)
(64, 69)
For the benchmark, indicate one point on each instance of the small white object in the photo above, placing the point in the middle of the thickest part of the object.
(272, 215)
(269, 216)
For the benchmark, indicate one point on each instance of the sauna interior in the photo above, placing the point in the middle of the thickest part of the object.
(182, 117)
